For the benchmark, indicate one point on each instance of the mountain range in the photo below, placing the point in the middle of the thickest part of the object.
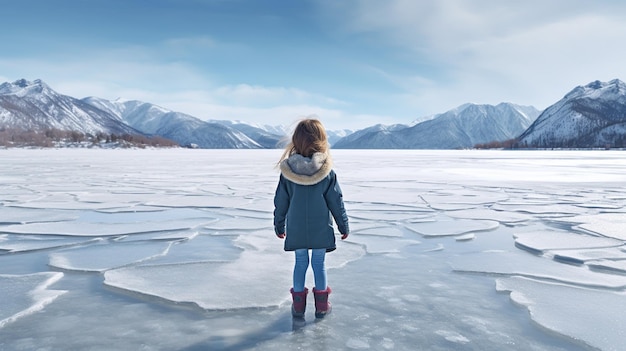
(34, 106)
(589, 116)
(463, 127)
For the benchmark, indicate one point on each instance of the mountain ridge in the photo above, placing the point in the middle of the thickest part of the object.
(589, 116)
(592, 115)
(34, 105)
(461, 127)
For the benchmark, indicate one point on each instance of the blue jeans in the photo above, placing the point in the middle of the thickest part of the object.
(302, 264)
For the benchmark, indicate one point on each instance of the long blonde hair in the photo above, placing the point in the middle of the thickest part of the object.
(308, 138)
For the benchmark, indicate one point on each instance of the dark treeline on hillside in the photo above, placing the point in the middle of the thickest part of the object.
(506, 144)
(619, 143)
(60, 138)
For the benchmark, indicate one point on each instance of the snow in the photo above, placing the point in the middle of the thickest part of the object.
(448, 250)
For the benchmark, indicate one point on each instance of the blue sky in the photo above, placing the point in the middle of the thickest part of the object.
(352, 63)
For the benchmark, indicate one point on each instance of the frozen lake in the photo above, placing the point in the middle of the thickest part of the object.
(174, 250)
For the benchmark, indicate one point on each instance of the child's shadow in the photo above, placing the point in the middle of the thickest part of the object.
(277, 328)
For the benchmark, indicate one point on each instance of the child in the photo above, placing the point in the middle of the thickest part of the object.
(307, 195)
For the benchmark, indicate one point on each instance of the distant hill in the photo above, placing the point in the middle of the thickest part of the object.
(463, 127)
(590, 116)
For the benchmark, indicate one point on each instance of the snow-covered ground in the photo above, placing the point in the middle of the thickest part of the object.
(174, 250)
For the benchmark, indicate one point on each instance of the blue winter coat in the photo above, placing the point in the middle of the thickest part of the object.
(307, 199)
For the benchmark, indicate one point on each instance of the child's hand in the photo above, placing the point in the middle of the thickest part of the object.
(344, 236)
(281, 236)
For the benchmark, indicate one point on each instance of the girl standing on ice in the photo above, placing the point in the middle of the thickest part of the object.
(307, 199)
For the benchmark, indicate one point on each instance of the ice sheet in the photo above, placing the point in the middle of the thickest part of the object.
(66, 203)
(167, 236)
(464, 198)
(609, 266)
(399, 195)
(380, 244)
(198, 201)
(24, 243)
(466, 237)
(103, 257)
(251, 210)
(558, 308)
(23, 295)
(504, 217)
(586, 255)
(381, 215)
(223, 283)
(446, 226)
(12, 215)
(100, 229)
(607, 224)
(240, 224)
(260, 268)
(523, 264)
(200, 249)
(545, 209)
(553, 240)
(387, 231)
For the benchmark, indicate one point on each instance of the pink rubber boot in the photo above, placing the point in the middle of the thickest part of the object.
(299, 303)
(322, 306)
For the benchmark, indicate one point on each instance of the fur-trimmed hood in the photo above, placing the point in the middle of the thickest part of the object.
(306, 170)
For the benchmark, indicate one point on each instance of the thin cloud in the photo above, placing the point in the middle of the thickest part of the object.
(488, 52)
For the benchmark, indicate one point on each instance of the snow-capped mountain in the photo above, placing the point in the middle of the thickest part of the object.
(375, 137)
(462, 127)
(185, 129)
(265, 136)
(285, 132)
(26, 105)
(589, 116)
(35, 106)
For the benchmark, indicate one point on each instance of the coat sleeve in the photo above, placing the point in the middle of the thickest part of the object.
(334, 201)
(281, 205)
